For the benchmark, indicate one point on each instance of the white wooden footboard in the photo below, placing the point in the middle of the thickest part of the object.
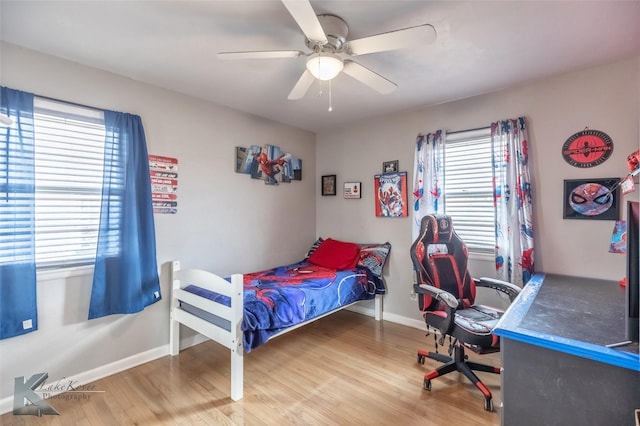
(232, 338)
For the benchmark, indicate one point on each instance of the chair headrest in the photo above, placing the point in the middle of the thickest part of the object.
(437, 229)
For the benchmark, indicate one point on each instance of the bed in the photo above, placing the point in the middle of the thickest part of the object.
(245, 311)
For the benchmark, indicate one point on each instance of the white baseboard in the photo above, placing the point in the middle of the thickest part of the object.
(189, 341)
(398, 319)
(361, 310)
(86, 377)
(409, 322)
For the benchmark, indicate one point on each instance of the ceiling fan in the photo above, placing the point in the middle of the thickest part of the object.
(326, 37)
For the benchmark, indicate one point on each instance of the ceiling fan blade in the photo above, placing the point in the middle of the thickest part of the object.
(306, 18)
(399, 39)
(261, 54)
(368, 77)
(301, 87)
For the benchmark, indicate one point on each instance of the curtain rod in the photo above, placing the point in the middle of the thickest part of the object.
(49, 98)
(469, 130)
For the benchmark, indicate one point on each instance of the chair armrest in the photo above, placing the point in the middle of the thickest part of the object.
(439, 294)
(450, 304)
(505, 287)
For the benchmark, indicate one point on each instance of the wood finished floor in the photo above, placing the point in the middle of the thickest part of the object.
(345, 369)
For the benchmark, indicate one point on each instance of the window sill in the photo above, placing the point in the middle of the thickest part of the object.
(62, 273)
(482, 255)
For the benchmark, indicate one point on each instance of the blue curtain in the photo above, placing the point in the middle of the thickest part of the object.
(126, 273)
(18, 311)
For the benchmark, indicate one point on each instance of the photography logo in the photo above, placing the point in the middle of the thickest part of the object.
(29, 395)
(26, 401)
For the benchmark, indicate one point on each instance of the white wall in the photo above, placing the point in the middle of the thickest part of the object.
(226, 222)
(603, 98)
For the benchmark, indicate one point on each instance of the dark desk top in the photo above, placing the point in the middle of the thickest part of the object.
(579, 316)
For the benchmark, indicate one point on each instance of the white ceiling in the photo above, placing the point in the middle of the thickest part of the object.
(482, 46)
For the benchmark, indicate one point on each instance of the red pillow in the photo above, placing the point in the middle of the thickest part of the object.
(336, 254)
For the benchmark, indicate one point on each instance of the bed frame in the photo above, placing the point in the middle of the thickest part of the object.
(231, 339)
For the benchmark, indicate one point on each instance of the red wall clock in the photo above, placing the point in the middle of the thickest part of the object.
(587, 148)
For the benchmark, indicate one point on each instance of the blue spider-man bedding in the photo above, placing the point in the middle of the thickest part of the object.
(279, 298)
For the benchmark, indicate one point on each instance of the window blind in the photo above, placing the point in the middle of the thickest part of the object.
(468, 187)
(69, 157)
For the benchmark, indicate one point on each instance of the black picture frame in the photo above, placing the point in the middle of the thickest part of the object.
(328, 185)
(390, 166)
(588, 199)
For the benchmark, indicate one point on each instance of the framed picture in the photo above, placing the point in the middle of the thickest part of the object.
(390, 166)
(328, 185)
(390, 191)
(268, 163)
(352, 190)
(590, 199)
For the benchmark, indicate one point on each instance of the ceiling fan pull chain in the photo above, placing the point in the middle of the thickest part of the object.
(330, 100)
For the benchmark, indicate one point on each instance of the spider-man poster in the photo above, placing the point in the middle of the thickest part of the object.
(390, 191)
(591, 199)
(268, 163)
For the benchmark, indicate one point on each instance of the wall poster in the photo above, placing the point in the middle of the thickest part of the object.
(268, 163)
(164, 184)
(390, 191)
(590, 199)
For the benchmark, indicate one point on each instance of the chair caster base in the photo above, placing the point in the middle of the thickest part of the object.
(488, 404)
(426, 385)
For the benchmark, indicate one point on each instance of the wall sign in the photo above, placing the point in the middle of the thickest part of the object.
(164, 184)
(587, 148)
(352, 190)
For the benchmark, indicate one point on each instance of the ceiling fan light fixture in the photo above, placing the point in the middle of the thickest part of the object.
(325, 65)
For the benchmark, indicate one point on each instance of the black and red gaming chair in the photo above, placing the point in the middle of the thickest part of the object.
(446, 296)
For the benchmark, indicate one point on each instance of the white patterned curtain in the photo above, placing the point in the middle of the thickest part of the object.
(513, 201)
(428, 177)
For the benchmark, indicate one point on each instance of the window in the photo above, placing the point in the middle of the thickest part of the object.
(69, 153)
(468, 187)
